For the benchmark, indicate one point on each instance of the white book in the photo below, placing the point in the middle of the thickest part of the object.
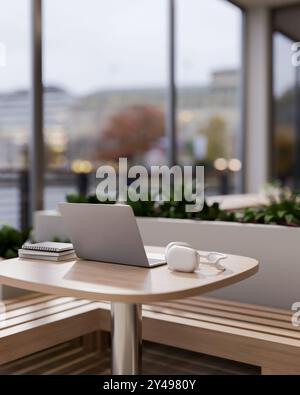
(48, 246)
(67, 257)
(44, 253)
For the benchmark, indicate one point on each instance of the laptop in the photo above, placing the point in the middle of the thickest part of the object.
(107, 233)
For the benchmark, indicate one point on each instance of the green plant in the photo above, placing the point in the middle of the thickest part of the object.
(11, 240)
(75, 198)
(165, 209)
(286, 212)
(283, 209)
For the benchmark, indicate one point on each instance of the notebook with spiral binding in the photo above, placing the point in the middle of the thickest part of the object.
(48, 246)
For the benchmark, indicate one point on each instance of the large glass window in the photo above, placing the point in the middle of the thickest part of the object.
(284, 111)
(286, 97)
(286, 132)
(208, 79)
(14, 109)
(105, 81)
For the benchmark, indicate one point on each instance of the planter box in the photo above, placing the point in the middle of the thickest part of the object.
(277, 283)
(48, 225)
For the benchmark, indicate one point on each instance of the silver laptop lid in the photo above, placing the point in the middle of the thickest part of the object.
(104, 232)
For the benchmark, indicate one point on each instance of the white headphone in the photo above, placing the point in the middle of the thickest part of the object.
(182, 257)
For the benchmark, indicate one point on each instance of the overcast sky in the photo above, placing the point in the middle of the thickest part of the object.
(98, 44)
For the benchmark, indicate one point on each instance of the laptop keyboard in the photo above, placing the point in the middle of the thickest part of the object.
(156, 261)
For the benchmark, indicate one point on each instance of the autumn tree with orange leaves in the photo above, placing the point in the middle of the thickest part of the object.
(131, 132)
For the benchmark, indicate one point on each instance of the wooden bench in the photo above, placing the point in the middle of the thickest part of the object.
(250, 334)
(35, 322)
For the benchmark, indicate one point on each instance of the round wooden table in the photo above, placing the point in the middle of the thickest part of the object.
(126, 287)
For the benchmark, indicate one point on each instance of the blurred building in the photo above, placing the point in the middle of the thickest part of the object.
(15, 123)
(73, 125)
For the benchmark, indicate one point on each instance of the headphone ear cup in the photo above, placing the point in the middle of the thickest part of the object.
(182, 259)
(176, 243)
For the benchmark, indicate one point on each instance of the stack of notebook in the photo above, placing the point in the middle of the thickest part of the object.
(48, 251)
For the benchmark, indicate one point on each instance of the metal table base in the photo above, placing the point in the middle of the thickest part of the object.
(126, 333)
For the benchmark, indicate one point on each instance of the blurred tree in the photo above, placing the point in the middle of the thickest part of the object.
(216, 133)
(131, 132)
(284, 149)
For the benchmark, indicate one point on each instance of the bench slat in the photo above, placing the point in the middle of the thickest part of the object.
(286, 317)
(231, 303)
(219, 328)
(217, 314)
(43, 305)
(46, 312)
(27, 326)
(268, 330)
(20, 298)
(28, 302)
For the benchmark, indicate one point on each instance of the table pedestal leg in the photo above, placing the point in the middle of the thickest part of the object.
(126, 333)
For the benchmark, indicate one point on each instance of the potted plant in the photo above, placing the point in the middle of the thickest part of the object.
(10, 241)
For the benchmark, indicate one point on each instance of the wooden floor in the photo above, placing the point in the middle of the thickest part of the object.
(69, 359)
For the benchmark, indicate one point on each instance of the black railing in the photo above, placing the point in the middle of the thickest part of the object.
(14, 194)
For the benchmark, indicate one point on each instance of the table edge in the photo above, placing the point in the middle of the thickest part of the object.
(138, 299)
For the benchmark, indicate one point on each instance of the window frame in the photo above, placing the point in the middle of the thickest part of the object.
(36, 148)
